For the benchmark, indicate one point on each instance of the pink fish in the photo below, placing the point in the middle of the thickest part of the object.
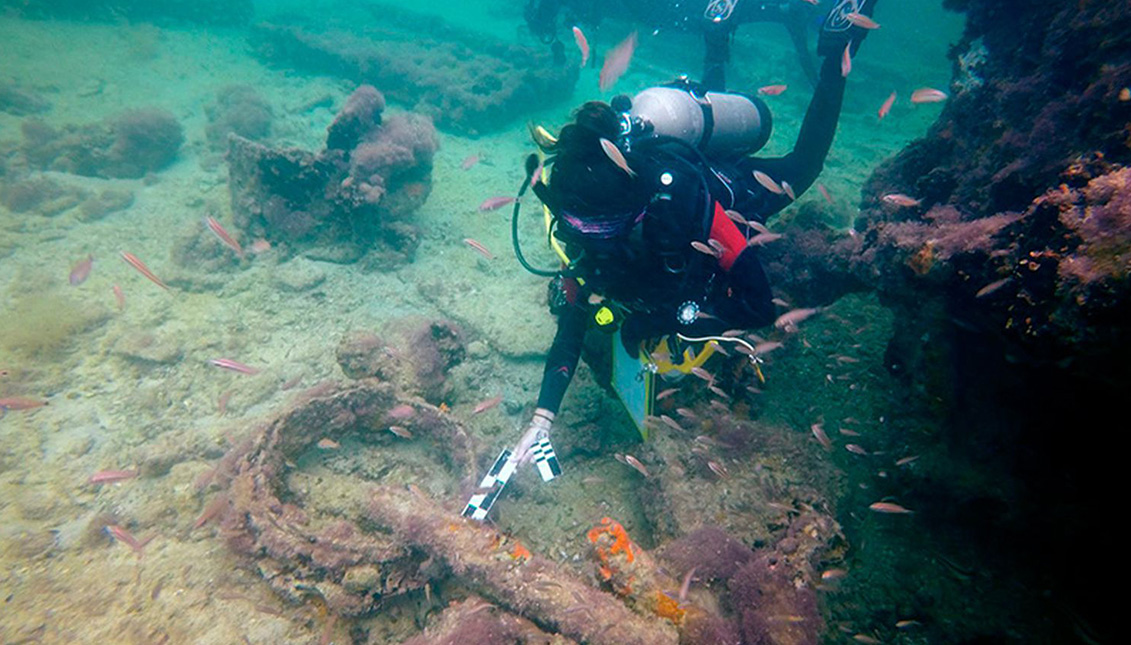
(825, 193)
(259, 246)
(81, 270)
(20, 403)
(899, 199)
(846, 61)
(111, 476)
(818, 430)
(616, 62)
(772, 90)
(889, 507)
(133, 261)
(469, 161)
(235, 366)
(125, 537)
(582, 44)
(401, 432)
(767, 182)
(482, 250)
(790, 319)
(886, 107)
(862, 21)
(928, 95)
(495, 203)
(119, 297)
(487, 404)
(635, 463)
(225, 238)
(614, 154)
(856, 449)
(663, 394)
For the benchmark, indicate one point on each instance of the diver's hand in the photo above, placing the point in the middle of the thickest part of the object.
(837, 31)
(539, 427)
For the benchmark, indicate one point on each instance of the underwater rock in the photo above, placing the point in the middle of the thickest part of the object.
(205, 12)
(105, 202)
(20, 102)
(414, 353)
(128, 146)
(238, 109)
(466, 81)
(476, 621)
(338, 204)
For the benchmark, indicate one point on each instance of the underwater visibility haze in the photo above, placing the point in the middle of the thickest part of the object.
(273, 368)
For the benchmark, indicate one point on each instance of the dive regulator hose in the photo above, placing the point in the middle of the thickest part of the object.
(531, 167)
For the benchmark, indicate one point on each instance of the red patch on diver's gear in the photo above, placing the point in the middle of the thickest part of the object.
(726, 232)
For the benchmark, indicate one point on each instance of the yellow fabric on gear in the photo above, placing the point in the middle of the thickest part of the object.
(689, 359)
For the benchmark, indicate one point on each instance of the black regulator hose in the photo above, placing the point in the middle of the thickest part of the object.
(531, 167)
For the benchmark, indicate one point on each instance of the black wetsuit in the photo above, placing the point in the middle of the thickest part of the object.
(686, 15)
(738, 297)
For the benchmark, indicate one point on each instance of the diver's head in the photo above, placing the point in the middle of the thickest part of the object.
(589, 194)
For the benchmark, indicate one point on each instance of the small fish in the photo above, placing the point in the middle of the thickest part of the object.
(582, 44)
(235, 366)
(719, 469)
(482, 250)
(907, 624)
(757, 226)
(614, 154)
(848, 433)
(20, 403)
(866, 639)
(111, 476)
(616, 62)
(899, 199)
(788, 190)
(133, 261)
(992, 287)
(469, 161)
(685, 586)
(125, 537)
(825, 193)
(401, 412)
(862, 21)
(763, 239)
(767, 183)
(704, 249)
(401, 432)
(663, 394)
(635, 463)
(225, 238)
(889, 507)
(928, 95)
(846, 61)
(495, 203)
(487, 404)
(886, 107)
(1125, 94)
(772, 90)
(81, 271)
(686, 413)
(671, 423)
(906, 460)
(737, 218)
(327, 443)
(703, 374)
(119, 297)
(790, 319)
(856, 449)
(259, 245)
(818, 430)
(829, 575)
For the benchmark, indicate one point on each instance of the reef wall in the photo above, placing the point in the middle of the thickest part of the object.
(1007, 271)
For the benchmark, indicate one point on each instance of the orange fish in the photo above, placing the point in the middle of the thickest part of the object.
(133, 261)
(889, 507)
(119, 297)
(886, 107)
(487, 404)
(899, 199)
(482, 250)
(928, 95)
(225, 238)
(20, 403)
(846, 61)
(767, 183)
(614, 154)
(772, 90)
(582, 44)
(616, 62)
(861, 21)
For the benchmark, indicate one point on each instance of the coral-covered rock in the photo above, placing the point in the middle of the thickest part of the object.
(414, 353)
(238, 109)
(347, 200)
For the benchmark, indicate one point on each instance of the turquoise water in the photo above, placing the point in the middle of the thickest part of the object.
(130, 386)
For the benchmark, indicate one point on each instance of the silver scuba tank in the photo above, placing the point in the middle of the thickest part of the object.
(718, 123)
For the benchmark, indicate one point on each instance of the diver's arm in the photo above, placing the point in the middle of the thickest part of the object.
(798, 33)
(562, 359)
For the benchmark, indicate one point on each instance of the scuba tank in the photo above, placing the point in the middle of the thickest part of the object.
(720, 124)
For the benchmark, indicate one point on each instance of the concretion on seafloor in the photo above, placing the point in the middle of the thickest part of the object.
(477, 621)
(467, 81)
(302, 522)
(506, 573)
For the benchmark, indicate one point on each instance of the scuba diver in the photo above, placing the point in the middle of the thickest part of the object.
(653, 204)
(718, 20)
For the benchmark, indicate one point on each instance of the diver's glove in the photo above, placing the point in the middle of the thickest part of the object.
(538, 429)
(837, 31)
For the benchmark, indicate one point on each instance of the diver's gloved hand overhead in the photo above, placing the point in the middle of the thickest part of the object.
(837, 31)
